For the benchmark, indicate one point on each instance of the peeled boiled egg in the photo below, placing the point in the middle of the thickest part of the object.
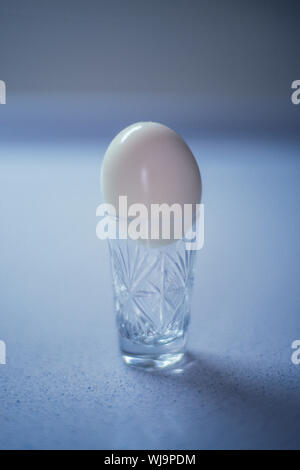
(150, 164)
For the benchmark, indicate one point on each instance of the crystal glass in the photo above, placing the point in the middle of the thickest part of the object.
(152, 291)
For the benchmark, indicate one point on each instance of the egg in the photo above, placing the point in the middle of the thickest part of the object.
(150, 164)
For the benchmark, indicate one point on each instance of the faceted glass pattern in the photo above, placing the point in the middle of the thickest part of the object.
(152, 289)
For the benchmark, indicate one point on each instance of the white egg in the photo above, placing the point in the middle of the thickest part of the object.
(150, 164)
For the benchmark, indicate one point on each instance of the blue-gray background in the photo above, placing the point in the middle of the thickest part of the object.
(219, 73)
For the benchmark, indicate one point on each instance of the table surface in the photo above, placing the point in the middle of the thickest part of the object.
(64, 384)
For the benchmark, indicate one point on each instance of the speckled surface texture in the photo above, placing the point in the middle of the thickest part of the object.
(64, 384)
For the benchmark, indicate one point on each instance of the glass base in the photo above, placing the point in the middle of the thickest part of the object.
(153, 362)
(153, 356)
